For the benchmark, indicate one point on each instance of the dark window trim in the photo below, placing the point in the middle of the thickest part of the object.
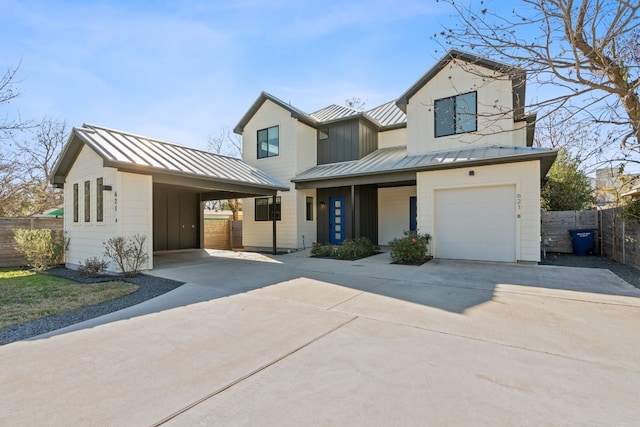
(87, 201)
(268, 153)
(76, 201)
(454, 113)
(259, 215)
(309, 205)
(99, 200)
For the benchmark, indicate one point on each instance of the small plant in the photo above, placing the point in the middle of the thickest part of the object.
(42, 248)
(129, 253)
(322, 251)
(412, 248)
(93, 267)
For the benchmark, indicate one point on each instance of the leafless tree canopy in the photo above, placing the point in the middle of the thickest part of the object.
(587, 49)
(9, 92)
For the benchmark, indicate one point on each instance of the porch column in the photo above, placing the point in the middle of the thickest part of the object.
(353, 212)
(273, 213)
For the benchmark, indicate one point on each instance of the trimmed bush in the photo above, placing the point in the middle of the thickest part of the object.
(412, 248)
(129, 253)
(93, 267)
(42, 248)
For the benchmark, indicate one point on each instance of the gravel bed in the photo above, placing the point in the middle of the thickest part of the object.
(149, 287)
(625, 272)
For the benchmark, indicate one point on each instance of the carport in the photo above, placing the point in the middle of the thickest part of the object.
(118, 183)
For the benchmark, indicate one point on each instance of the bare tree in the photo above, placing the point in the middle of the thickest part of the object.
(229, 144)
(586, 49)
(8, 93)
(355, 103)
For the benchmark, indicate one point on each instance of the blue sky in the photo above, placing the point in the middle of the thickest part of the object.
(180, 70)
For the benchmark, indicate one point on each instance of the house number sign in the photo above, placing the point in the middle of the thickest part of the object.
(518, 204)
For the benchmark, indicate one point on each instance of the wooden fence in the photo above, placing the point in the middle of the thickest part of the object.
(620, 239)
(556, 226)
(222, 234)
(9, 257)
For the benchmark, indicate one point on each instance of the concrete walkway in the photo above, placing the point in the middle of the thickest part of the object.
(289, 340)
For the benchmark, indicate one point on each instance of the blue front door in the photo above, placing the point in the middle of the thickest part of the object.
(336, 220)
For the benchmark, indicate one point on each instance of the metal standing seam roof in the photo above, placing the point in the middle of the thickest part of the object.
(334, 112)
(395, 159)
(125, 150)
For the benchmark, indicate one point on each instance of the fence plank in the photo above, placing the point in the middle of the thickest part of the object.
(556, 226)
(9, 257)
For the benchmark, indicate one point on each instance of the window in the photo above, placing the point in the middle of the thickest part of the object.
(87, 201)
(99, 200)
(323, 133)
(75, 202)
(456, 114)
(309, 208)
(268, 142)
(264, 209)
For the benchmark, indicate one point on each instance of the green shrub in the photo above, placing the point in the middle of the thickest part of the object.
(41, 248)
(412, 248)
(93, 267)
(349, 250)
(129, 253)
(322, 251)
(356, 249)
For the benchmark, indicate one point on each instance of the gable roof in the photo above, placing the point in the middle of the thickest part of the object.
(394, 163)
(262, 98)
(517, 75)
(170, 163)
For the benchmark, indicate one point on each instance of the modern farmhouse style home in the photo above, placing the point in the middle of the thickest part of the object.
(452, 157)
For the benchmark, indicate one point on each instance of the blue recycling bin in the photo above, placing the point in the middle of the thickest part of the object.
(583, 241)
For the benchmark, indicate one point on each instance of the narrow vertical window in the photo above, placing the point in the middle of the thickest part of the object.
(75, 202)
(87, 201)
(99, 200)
(309, 208)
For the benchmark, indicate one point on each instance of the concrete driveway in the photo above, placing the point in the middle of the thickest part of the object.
(289, 340)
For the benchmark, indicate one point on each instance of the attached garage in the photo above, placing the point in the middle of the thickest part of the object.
(476, 223)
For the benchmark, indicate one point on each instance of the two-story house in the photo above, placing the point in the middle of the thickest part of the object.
(452, 157)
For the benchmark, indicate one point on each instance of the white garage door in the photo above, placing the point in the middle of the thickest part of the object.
(476, 223)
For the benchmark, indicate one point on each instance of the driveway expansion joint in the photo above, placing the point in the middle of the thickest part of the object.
(251, 374)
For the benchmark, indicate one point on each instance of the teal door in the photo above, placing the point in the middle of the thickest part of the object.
(336, 220)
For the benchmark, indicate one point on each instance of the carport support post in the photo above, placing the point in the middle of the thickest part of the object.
(273, 207)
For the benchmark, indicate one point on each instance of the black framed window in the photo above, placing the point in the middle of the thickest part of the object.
(309, 203)
(264, 209)
(87, 201)
(268, 142)
(456, 114)
(75, 202)
(99, 200)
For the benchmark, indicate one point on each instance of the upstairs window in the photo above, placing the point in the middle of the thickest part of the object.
(268, 142)
(456, 114)
(264, 209)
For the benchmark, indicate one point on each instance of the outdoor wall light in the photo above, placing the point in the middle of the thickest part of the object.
(321, 204)
(107, 188)
(472, 173)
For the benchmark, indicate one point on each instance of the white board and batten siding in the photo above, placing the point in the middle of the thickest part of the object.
(297, 152)
(393, 212)
(492, 215)
(130, 195)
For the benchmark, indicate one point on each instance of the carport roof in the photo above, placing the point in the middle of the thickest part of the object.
(392, 164)
(168, 163)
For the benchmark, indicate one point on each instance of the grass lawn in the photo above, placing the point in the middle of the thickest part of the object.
(26, 295)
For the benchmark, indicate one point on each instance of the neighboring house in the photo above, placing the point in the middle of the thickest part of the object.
(119, 184)
(610, 185)
(452, 157)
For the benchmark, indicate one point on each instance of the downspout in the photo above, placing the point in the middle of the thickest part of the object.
(353, 212)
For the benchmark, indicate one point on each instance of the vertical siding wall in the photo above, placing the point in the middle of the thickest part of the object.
(9, 257)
